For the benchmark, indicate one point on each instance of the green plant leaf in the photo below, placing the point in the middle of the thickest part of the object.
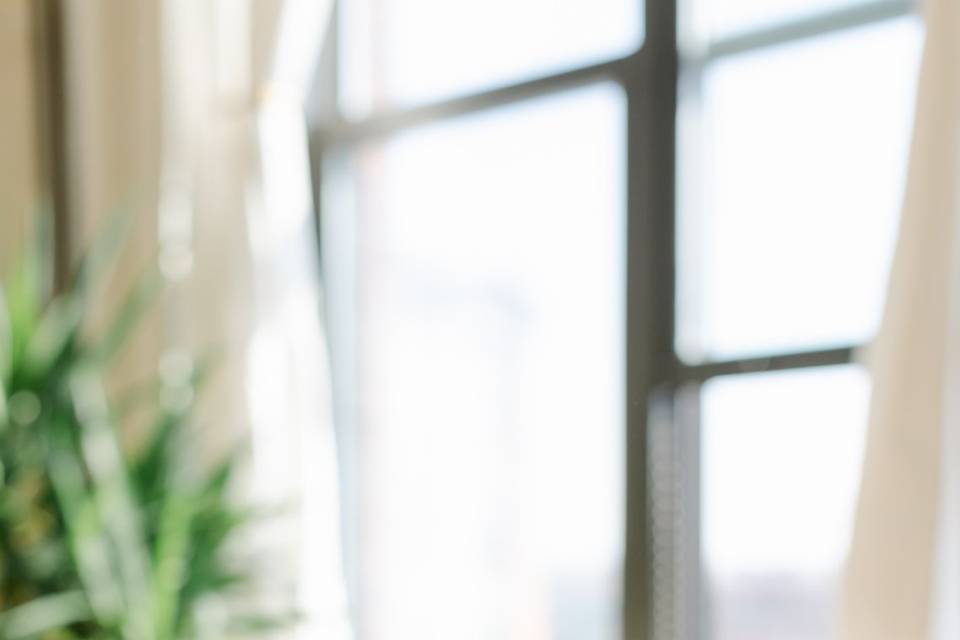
(119, 511)
(55, 330)
(107, 243)
(171, 563)
(151, 468)
(260, 624)
(6, 342)
(129, 314)
(24, 300)
(84, 530)
(44, 614)
(142, 542)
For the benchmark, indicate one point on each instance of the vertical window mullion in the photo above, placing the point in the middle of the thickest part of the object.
(651, 93)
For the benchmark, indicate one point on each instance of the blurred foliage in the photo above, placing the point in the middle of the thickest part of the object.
(98, 542)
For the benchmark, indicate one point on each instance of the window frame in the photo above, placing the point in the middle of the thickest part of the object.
(660, 386)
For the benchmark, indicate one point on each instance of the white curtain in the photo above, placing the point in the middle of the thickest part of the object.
(903, 576)
(188, 115)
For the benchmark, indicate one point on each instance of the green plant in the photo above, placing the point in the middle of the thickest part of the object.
(95, 541)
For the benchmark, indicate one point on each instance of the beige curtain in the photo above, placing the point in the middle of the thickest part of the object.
(904, 567)
(19, 164)
(187, 115)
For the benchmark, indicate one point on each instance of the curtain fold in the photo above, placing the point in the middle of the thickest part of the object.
(902, 573)
(180, 115)
(239, 223)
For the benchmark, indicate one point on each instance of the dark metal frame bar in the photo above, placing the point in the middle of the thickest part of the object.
(762, 364)
(817, 25)
(651, 88)
(51, 131)
(391, 120)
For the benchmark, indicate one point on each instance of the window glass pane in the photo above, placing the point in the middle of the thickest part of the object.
(490, 304)
(791, 177)
(781, 460)
(719, 18)
(401, 52)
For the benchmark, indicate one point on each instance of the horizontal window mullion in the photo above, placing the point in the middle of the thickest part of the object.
(766, 363)
(395, 119)
(810, 27)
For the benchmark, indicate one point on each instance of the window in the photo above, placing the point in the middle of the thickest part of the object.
(793, 132)
(490, 478)
(593, 292)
